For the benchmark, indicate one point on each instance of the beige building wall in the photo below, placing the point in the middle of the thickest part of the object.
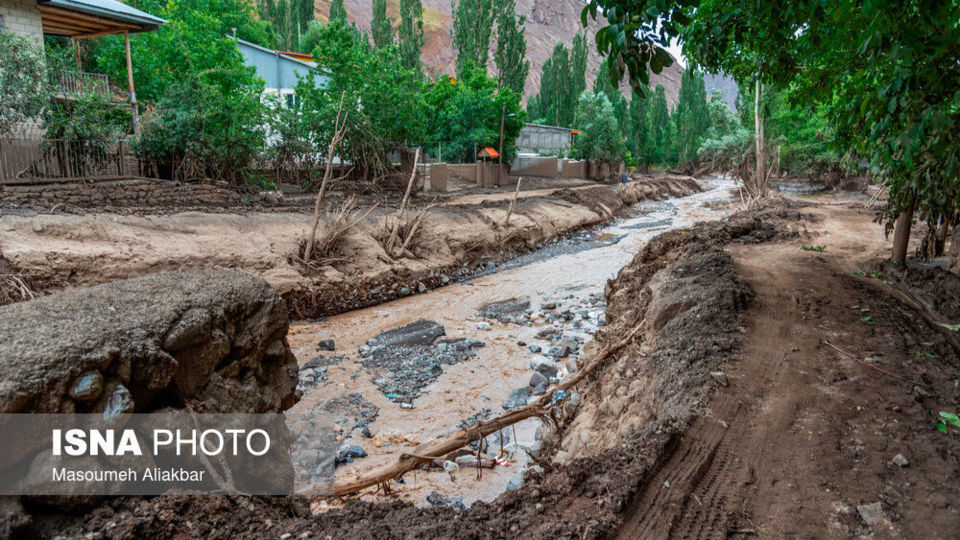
(22, 18)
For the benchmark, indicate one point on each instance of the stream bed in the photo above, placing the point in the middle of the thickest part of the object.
(472, 349)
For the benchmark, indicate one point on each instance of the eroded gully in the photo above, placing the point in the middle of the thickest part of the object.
(574, 280)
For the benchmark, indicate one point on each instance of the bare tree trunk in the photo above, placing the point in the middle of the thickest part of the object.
(338, 132)
(760, 183)
(513, 203)
(901, 234)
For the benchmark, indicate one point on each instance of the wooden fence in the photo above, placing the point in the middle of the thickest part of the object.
(25, 161)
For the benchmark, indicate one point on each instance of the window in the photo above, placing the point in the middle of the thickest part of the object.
(291, 99)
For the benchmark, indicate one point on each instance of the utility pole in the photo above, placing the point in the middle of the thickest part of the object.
(503, 112)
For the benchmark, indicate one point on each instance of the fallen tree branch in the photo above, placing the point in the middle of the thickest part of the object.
(427, 452)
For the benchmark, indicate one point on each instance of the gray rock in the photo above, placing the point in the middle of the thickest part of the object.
(515, 483)
(422, 332)
(571, 343)
(347, 453)
(484, 326)
(534, 348)
(548, 305)
(544, 366)
(327, 345)
(537, 379)
(504, 308)
(439, 501)
(871, 514)
(571, 366)
(88, 387)
(117, 403)
(559, 351)
(899, 460)
(421, 288)
(517, 398)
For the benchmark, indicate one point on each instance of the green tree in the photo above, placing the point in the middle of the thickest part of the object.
(886, 73)
(692, 118)
(511, 53)
(600, 139)
(578, 68)
(338, 12)
(410, 34)
(204, 118)
(464, 115)
(555, 88)
(382, 99)
(472, 27)
(661, 133)
(24, 82)
(602, 83)
(381, 29)
(638, 130)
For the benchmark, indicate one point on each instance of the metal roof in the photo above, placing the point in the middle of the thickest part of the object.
(108, 9)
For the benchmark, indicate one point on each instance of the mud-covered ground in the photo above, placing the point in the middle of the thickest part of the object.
(461, 237)
(771, 391)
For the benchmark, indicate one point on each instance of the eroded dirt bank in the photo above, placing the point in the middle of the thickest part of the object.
(770, 392)
(57, 251)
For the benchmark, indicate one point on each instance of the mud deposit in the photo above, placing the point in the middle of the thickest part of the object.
(768, 391)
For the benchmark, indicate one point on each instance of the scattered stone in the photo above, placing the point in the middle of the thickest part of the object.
(482, 415)
(521, 344)
(366, 432)
(347, 453)
(900, 461)
(505, 311)
(88, 387)
(571, 366)
(559, 351)
(117, 402)
(439, 501)
(537, 379)
(484, 326)
(544, 365)
(421, 288)
(405, 291)
(534, 348)
(326, 345)
(517, 398)
(871, 514)
(548, 305)
(515, 483)
(477, 344)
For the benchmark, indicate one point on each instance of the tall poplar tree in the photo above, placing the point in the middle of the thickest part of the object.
(410, 34)
(660, 126)
(337, 11)
(511, 53)
(692, 117)
(638, 127)
(381, 29)
(472, 27)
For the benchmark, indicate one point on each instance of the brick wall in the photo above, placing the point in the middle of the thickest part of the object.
(22, 18)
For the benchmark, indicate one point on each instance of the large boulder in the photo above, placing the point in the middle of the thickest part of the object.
(214, 338)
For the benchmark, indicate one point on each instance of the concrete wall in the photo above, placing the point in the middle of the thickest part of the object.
(467, 171)
(22, 18)
(439, 173)
(546, 167)
(538, 138)
(573, 169)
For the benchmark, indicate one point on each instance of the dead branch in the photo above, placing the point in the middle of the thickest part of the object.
(426, 453)
(513, 203)
(415, 224)
(392, 238)
(864, 363)
(338, 133)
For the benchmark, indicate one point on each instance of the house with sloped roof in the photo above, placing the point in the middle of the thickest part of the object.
(280, 70)
(79, 20)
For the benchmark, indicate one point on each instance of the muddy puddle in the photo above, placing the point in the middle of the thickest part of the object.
(385, 404)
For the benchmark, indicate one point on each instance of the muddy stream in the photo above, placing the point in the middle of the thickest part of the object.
(370, 414)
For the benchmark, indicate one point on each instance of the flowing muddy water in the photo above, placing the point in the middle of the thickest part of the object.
(572, 276)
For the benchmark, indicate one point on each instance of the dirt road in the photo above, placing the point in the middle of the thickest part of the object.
(809, 440)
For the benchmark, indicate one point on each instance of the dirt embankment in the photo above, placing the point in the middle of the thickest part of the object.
(585, 497)
(55, 251)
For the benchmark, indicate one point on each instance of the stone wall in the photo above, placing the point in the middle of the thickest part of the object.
(21, 17)
(121, 193)
(214, 338)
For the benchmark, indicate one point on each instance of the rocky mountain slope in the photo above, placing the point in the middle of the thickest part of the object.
(548, 22)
